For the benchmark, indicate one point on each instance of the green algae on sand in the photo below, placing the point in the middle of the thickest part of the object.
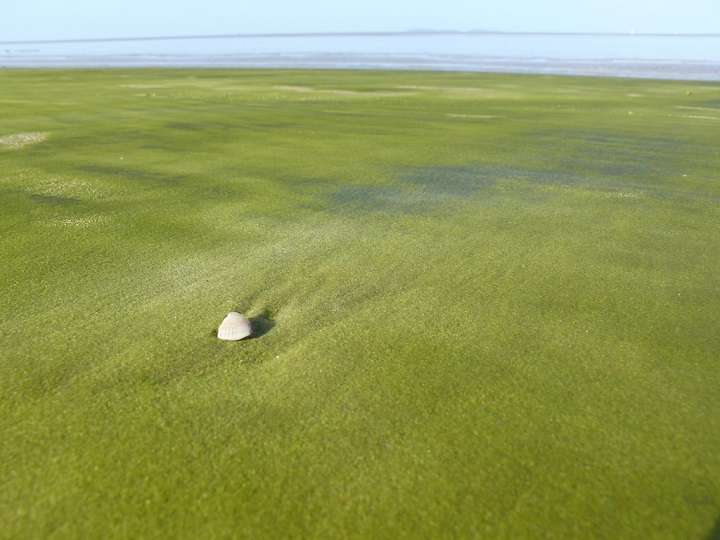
(489, 305)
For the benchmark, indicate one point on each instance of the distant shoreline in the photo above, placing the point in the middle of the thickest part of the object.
(354, 35)
(693, 71)
(615, 55)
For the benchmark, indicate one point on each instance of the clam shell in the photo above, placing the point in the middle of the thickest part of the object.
(234, 327)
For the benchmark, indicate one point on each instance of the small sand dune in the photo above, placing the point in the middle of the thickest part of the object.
(444, 88)
(701, 117)
(480, 116)
(143, 86)
(18, 140)
(308, 89)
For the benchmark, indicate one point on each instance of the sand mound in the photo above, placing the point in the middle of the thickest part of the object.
(18, 140)
(308, 89)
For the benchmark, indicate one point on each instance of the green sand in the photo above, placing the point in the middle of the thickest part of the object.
(486, 305)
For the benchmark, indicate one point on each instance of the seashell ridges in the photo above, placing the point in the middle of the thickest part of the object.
(234, 327)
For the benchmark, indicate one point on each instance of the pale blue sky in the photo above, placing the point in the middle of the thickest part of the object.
(77, 19)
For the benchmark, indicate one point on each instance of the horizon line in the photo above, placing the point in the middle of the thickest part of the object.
(353, 34)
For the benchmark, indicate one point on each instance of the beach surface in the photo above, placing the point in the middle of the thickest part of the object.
(483, 305)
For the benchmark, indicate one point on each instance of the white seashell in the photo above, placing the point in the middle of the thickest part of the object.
(234, 327)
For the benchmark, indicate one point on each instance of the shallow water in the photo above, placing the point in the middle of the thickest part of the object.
(651, 56)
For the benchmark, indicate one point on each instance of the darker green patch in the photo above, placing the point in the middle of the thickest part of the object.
(715, 534)
(458, 180)
(184, 125)
(374, 198)
(221, 192)
(466, 180)
(602, 153)
(52, 199)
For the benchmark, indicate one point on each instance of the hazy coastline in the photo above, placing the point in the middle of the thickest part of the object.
(664, 56)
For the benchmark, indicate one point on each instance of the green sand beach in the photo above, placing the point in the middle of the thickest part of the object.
(485, 306)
